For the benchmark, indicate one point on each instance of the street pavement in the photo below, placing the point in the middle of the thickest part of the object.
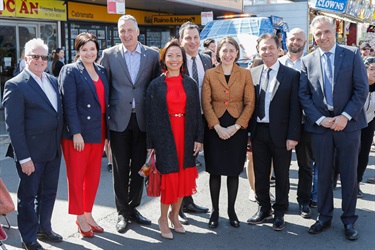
(198, 235)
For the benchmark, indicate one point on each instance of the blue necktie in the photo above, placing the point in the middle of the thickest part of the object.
(262, 96)
(328, 77)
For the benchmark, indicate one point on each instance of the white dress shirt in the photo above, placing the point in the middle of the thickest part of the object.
(133, 62)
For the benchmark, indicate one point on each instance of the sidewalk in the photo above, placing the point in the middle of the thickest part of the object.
(199, 236)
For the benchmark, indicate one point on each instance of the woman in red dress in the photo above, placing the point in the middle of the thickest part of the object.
(175, 131)
(84, 90)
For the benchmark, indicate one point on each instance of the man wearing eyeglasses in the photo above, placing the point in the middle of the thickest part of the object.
(365, 49)
(33, 118)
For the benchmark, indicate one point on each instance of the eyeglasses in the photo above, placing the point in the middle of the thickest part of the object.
(365, 48)
(36, 57)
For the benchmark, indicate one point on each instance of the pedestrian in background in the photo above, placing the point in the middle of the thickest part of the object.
(84, 90)
(333, 91)
(228, 103)
(130, 67)
(57, 62)
(367, 133)
(33, 118)
(175, 132)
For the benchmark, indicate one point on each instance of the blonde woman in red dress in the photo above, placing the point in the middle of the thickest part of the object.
(175, 131)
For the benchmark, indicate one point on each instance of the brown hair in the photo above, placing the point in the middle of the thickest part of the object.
(171, 43)
(268, 36)
(230, 40)
(84, 38)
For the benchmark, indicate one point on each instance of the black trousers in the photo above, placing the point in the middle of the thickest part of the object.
(264, 150)
(129, 154)
(305, 163)
(367, 135)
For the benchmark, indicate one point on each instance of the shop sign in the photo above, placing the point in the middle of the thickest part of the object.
(98, 13)
(39, 9)
(331, 5)
(175, 20)
(116, 6)
(206, 17)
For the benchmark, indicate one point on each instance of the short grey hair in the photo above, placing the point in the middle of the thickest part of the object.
(126, 18)
(34, 44)
(322, 19)
(188, 25)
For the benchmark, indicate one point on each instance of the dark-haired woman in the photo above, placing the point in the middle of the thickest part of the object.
(84, 90)
(175, 131)
(57, 62)
(228, 102)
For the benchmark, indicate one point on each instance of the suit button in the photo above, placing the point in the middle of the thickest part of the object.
(88, 105)
(226, 91)
(226, 103)
(88, 118)
(133, 87)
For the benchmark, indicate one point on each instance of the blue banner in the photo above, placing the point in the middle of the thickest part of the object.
(338, 6)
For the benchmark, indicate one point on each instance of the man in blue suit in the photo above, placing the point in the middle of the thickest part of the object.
(333, 90)
(33, 117)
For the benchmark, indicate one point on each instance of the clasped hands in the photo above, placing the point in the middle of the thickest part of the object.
(337, 123)
(225, 133)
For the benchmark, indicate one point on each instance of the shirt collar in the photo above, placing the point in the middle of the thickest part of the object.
(274, 67)
(35, 76)
(332, 50)
(137, 49)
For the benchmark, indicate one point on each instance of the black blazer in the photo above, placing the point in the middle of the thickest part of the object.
(34, 126)
(285, 110)
(159, 130)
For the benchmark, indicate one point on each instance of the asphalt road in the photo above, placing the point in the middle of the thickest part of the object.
(198, 235)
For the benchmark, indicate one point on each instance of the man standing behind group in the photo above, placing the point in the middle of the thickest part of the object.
(33, 118)
(295, 42)
(275, 129)
(333, 90)
(197, 64)
(131, 67)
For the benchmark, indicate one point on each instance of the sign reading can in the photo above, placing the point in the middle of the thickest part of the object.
(175, 20)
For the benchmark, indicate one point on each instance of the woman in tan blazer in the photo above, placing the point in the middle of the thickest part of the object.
(228, 103)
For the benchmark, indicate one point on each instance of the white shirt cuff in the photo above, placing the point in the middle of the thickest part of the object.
(25, 160)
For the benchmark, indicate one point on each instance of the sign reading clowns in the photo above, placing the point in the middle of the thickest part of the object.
(331, 5)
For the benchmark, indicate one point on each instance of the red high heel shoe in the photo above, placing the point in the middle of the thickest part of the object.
(88, 234)
(97, 229)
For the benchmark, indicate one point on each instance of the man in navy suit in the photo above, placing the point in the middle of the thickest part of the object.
(196, 65)
(33, 118)
(333, 90)
(275, 128)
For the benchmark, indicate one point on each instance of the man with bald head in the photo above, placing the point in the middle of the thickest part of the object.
(295, 42)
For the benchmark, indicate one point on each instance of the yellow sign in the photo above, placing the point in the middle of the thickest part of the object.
(98, 13)
(175, 20)
(38, 9)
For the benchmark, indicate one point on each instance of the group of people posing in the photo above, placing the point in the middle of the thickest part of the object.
(176, 103)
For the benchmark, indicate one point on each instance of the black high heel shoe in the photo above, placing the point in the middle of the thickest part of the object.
(233, 220)
(214, 220)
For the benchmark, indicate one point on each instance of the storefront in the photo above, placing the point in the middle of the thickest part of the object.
(155, 28)
(352, 17)
(21, 21)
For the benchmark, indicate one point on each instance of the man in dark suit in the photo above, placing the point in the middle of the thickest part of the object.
(131, 67)
(197, 64)
(33, 118)
(333, 90)
(275, 129)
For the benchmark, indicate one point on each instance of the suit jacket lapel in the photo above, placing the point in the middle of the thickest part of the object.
(205, 65)
(142, 62)
(122, 62)
(56, 88)
(37, 88)
(88, 79)
(339, 58)
(220, 76)
(256, 74)
(233, 76)
(279, 78)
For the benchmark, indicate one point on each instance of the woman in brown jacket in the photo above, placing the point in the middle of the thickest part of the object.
(228, 103)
